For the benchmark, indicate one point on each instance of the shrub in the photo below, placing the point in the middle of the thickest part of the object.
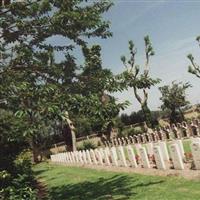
(132, 131)
(87, 144)
(23, 163)
(18, 184)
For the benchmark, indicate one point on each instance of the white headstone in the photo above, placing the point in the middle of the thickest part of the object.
(159, 157)
(69, 157)
(114, 156)
(88, 157)
(80, 157)
(131, 156)
(99, 157)
(197, 139)
(137, 147)
(149, 148)
(65, 157)
(180, 146)
(93, 156)
(144, 157)
(58, 157)
(107, 150)
(76, 156)
(106, 156)
(102, 152)
(61, 158)
(122, 156)
(164, 151)
(84, 157)
(195, 146)
(72, 156)
(55, 157)
(176, 156)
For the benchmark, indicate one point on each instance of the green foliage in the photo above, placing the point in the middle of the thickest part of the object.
(87, 144)
(18, 182)
(194, 68)
(174, 98)
(138, 117)
(36, 89)
(23, 162)
(83, 127)
(131, 131)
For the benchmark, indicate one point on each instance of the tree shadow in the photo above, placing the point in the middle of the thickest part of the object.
(118, 187)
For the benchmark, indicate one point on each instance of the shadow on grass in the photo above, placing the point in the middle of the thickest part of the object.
(117, 187)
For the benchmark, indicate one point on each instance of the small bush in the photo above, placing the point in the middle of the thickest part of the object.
(23, 162)
(18, 184)
(87, 144)
(132, 131)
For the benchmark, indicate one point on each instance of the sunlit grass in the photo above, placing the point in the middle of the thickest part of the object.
(73, 183)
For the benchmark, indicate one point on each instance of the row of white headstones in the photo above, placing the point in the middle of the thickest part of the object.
(116, 155)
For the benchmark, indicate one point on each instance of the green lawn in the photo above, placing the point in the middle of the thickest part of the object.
(72, 183)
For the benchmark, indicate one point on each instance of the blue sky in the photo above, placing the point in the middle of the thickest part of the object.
(172, 27)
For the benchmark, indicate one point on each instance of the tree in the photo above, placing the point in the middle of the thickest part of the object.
(174, 99)
(35, 85)
(194, 68)
(132, 77)
(100, 82)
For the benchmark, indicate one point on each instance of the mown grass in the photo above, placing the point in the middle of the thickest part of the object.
(73, 183)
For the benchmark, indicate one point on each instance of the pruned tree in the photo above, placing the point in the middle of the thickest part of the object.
(174, 99)
(194, 68)
(137, 79)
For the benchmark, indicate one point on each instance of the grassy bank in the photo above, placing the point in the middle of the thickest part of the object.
(72, 183)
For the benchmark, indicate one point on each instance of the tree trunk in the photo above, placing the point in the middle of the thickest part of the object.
(147, 115)
(109, 130)
(173, 116)
(182, 115)
(35, 151)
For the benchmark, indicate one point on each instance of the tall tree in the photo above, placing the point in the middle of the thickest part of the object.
(35, 85)
(174, 99)
(194, 68)
(132, 77)
(100, 81)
